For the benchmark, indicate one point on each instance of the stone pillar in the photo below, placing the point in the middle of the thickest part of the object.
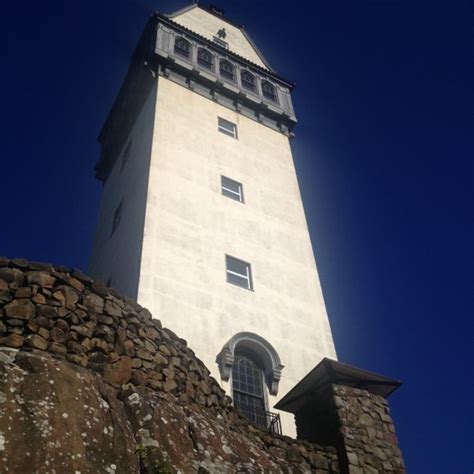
(346, 407)
(366, 439)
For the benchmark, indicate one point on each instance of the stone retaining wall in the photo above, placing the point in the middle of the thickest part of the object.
(64, 314)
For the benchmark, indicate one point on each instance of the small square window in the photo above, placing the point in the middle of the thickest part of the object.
(229, 128)
(221, 42)
(238, 272)
(117, 217)
(126, 154)
(232, 189)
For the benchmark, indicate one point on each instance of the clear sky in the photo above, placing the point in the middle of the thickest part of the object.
(383, 151)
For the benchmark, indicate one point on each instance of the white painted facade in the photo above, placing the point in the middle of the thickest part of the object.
(176, 228)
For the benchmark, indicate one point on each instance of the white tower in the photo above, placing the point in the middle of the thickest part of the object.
(201, 218)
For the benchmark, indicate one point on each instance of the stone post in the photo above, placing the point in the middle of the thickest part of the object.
(346, 407)
(366, 440)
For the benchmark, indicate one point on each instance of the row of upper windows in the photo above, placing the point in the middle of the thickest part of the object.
(226, 69)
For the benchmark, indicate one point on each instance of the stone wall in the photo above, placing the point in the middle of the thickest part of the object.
(367, 441)
(90, 382)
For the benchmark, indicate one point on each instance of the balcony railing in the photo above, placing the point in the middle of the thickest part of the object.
(263, 419)
(274, 422)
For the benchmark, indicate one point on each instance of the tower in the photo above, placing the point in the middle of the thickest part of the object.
(201, 218)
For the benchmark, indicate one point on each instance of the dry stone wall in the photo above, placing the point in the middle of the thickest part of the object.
(367, 442)
(90, 382)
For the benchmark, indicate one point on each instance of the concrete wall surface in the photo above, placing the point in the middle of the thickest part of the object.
(190, 227)
(117, 256)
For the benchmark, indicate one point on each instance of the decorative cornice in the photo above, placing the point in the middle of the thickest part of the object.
(237, 57)
(209, 82)
(154, 55)
(227, 20)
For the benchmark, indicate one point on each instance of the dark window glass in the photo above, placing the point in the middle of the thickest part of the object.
(117, 217)
(204, 58)
(248, 81)
(247, 386)
(269, 91)
(238, 272)
(232, 189)
(227, 70)
(182, 47)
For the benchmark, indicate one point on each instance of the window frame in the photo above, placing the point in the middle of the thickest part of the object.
(180, 51)
(266, 95)
(220, 42)
(242, 82)
(248, 276)
(204, 64)
(234, 195)
(255, 412)
(226, 74)
(221, 122)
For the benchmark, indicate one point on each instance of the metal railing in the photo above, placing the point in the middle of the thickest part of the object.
(263, 419)
(273, 422)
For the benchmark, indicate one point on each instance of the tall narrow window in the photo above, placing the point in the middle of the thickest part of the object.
(247, 387)
(229, 128)
(182, 47)
(248, 81)
(269, 91)
(232, 189)
(117, 217)
(126, 154)
(227, 69)
(238, 272)
(204, 58)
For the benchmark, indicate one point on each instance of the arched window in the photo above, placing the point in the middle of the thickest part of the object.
(248, 81)
(269, 91)
(182, 47)
(247, 388)
(260, 349)
(255, 367)
(204, 58)
(227, 69)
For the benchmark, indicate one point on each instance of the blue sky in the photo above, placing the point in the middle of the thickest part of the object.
(383, 151)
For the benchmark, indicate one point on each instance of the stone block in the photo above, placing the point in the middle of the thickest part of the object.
(94, 303)
(41, 279)
(12, 340)
(20, 309)
(120, 372)
(12, 276)
(57, 348)
(37, 342)
(57, 335)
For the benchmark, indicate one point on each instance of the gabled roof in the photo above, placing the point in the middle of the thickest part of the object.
(210, 11)
(329, 371)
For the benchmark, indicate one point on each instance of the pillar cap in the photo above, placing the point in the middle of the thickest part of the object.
(329, 372)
